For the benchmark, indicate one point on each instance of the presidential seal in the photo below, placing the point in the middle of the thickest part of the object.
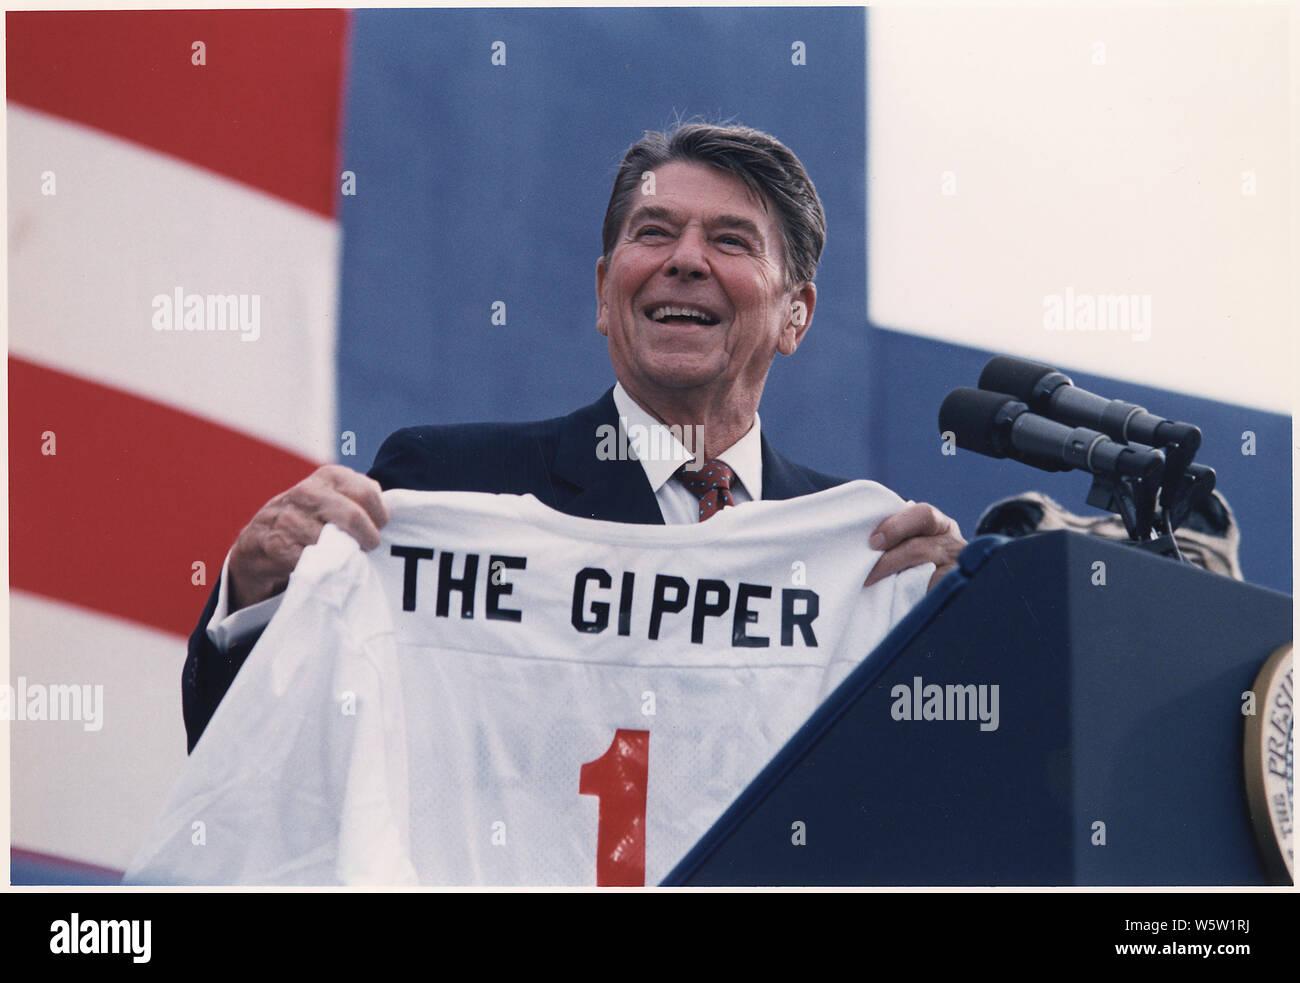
(1269, 766)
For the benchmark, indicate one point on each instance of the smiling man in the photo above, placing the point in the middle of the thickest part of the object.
(710, 249)
(696, 298)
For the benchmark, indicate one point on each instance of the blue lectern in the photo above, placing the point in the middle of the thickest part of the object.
(1114, 756)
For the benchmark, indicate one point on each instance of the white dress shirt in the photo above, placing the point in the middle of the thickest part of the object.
(667, 454)
(657, 448)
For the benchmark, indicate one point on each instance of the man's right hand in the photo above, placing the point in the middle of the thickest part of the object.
(267, 550)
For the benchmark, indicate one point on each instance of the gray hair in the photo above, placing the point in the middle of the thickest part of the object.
(768, 167)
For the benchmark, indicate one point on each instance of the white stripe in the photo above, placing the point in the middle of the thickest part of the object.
(127, 224)
(91, 795)
(1125, 177)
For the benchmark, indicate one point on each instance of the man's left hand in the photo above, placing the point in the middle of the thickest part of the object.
(918, 534)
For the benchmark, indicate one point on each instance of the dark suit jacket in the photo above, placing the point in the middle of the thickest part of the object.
(554, 460)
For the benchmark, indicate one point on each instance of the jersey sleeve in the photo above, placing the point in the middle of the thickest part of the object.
(301, 775)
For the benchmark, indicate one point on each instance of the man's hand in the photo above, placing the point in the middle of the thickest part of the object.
(268, 549)
(918, 534)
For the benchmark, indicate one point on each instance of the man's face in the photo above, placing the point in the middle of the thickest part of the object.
(693, 297)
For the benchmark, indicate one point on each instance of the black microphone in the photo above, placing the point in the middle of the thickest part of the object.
(998, 426)
(1052, 394)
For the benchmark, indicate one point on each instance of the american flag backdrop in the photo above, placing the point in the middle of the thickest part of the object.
(245, 243)
(142, 165)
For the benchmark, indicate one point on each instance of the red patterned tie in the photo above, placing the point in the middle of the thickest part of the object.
(711, 485)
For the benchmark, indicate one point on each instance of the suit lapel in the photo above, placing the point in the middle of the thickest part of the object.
(617, 490)
(781, 479)
(613, 490)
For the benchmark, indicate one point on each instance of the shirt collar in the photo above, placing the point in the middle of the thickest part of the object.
(662, 453)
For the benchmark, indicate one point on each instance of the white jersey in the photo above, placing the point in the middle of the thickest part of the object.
(502, 694)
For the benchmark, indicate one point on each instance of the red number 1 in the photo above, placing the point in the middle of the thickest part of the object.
(618, 778)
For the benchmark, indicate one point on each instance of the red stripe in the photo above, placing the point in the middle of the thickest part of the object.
(135, 493)
(264, 109)
(65, 865)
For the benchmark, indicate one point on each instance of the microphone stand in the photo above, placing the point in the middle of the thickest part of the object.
(1133, 499)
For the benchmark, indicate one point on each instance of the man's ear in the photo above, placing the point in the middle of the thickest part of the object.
(803, 299)
(602, 309)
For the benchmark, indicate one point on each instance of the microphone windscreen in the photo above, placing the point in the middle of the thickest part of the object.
(974, 417)
(1013, 376)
